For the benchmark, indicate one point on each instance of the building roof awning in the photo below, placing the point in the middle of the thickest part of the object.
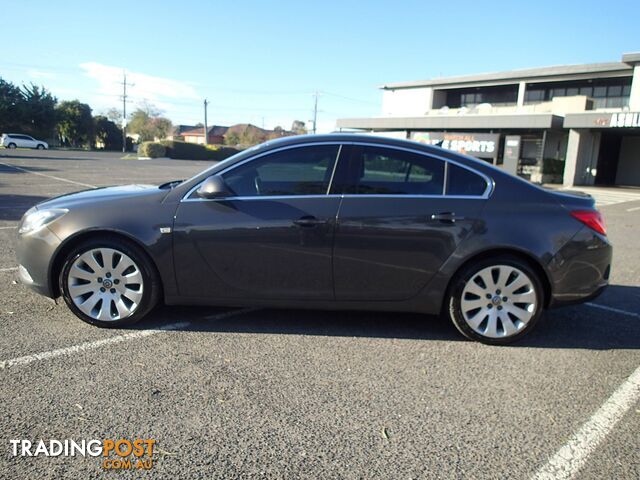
(529, 75)
(455, 122)
(602, 120)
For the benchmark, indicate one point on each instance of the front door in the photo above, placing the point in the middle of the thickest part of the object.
(272, 239)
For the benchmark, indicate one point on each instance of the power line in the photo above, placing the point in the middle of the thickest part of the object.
(350, 98)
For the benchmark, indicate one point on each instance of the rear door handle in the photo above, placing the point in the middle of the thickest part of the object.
(309, 221)
(445, 217)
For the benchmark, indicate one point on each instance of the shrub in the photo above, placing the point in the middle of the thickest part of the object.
(194, 151)
(151, 149)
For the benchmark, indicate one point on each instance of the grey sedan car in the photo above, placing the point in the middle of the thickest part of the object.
(340, 221)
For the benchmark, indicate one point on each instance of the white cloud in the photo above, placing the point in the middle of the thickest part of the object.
(162, 92)
(39, 74)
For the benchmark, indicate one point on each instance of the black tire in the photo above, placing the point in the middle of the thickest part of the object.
(40, 147)
(459, 282)
(12, 146)
(151, 279)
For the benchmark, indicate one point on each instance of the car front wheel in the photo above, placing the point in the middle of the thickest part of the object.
(496, 301)
(109, 283)
(40, 146)
(12, 146)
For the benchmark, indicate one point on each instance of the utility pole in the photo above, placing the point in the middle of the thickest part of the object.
(206, 139)
(315, 111)
(124, 111)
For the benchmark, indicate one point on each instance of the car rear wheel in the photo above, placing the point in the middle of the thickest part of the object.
(109, 283)
(496, 301)
(12, 146)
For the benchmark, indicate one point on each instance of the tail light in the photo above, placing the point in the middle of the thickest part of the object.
(592, 219)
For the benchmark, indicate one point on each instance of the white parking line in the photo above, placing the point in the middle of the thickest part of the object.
(614, 310)
(48, 176)
(7, 228)
(568, 461)
(83, 347)
(8, 269)
(633, 209)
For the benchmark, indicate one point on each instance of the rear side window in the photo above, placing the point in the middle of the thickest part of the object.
(465, 182)
(386, 171)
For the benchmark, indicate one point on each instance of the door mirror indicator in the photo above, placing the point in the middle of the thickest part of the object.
(213, 187)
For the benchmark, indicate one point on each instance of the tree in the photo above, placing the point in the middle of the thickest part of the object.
(38, 111)
(107, 134)
(147, 123)
(114, 115)
(232, 138)
(10, 100)
(298, 127)
(75, 123)
(245, 134)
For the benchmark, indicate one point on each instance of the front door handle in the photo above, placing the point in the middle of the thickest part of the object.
(309, 221)
(445, 217)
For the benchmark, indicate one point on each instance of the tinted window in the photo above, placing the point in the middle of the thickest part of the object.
(377, 170)
(464, 182)
(295, 171)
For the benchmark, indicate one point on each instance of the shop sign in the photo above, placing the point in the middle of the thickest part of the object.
(483, 145)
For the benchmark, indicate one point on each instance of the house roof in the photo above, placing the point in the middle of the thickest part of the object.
(179, 129)
(212, 130)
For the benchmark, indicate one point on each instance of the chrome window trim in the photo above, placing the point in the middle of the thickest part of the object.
(186, 198)
(490, 184)
(485, 195)
(445, 181)
(335, 167)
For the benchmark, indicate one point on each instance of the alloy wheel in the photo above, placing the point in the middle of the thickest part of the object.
(105, 284)
(498, 301)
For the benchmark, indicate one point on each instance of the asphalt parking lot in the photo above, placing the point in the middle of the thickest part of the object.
(310, 394)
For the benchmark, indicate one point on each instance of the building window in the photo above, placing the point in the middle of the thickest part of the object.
(586, 91)
(470, 97)
(534, 96)
(606, 93)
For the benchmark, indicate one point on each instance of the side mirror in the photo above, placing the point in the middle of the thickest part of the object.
(213, 187)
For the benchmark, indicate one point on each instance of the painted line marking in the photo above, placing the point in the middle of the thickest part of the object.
(48, 176)
(7, 228)
(633, 209)
(614, 310)
(83, 347)
(568, 461)
(9, 269)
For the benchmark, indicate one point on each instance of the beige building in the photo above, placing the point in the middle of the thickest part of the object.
(575, 124)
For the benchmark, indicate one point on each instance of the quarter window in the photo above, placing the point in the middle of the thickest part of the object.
(464, 182)
(385, 171)
(295, 171)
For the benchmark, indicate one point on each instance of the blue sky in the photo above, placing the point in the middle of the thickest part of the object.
(259, 62)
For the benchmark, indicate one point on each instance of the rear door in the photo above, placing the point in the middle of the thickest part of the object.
(272, 240)
(396, 227)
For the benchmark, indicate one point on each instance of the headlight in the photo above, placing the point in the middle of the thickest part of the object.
(34, 220)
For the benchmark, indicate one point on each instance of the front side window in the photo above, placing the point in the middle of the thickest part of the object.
(386, 171)
(294, 171)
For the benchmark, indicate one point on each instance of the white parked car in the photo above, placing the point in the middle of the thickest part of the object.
(18, 140)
